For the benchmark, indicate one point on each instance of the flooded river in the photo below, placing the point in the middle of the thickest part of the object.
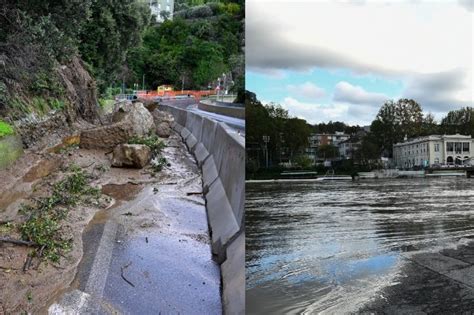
(328, 247)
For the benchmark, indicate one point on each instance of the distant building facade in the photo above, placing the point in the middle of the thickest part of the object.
(156, 6)
(433, 150)
(318, 139)
(348, 147)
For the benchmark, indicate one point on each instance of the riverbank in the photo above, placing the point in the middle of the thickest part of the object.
(312, 175)
(430, 283)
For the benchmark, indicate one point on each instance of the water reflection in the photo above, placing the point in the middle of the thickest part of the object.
(315, 247)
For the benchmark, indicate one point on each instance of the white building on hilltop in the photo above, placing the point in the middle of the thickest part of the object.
(433, 150)
(157, 6)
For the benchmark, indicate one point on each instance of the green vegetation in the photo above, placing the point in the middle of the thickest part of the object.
(158, 166)
(43, 223)
(156, 146)
(118, 42)
(5, 129)
(289, 136)
(192, 50)
(153, 142)
(43, 35)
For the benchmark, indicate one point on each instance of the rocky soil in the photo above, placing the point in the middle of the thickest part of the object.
(32, 177)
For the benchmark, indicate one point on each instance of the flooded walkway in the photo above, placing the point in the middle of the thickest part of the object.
(149, 253)
(333, 248)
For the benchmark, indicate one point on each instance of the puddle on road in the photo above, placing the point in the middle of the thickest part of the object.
(124, 192)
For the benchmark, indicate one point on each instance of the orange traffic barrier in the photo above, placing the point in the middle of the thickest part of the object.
(173, 94)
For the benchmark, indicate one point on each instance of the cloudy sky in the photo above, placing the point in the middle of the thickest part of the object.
(340, 60)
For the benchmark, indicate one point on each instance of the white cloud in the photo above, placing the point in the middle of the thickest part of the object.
(419, 43)
(353, 94)
(307, 90)
(314, 113)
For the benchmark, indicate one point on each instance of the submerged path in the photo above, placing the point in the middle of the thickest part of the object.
(150, 252)
(430, 283)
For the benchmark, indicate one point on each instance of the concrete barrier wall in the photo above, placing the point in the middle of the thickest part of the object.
(220, 153)
(237, 112)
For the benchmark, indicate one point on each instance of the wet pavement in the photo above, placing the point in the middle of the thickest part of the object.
(150, 252)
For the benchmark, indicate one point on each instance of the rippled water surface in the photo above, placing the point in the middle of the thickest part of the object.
(329, 246)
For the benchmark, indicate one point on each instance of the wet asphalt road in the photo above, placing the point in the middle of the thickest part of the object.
(150, 254)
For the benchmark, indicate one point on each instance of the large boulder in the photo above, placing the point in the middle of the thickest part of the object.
(131, 155)
(128, 120)
(163, 130)
(161, 116)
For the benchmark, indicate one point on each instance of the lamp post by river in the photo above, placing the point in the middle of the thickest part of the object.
(266, 139)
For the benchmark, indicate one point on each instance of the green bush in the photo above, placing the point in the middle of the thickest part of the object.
(153, 142)
(5, 129)
(44, 217)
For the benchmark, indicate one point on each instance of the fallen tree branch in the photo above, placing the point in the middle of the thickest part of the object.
(27, 264)
(123, 277)
(17, 242)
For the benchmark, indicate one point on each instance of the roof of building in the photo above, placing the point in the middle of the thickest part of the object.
(433, 137)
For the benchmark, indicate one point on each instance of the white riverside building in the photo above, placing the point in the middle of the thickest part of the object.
(433, 150)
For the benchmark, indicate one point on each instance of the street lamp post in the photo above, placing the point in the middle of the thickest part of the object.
(266, 139)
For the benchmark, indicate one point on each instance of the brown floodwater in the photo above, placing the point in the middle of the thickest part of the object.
(329, 247)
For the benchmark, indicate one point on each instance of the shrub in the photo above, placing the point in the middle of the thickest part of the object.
(5, 129)
(153, 142)
(44, 217)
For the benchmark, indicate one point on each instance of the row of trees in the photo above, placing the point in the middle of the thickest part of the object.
(394, 121)
(405, 118)
(288, 135)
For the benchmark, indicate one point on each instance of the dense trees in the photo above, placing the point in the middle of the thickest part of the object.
(288, 135)
(459, 121)
(119, 42)
(193, 49)
(113, 28)
(394, 121)
(37, 37)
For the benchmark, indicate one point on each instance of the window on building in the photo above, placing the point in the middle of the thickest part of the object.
(436, 161)
(436, 147)
(465, 146)
(458, 147)
(450, 146)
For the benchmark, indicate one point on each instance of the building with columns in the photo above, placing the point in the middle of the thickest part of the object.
(433, 150)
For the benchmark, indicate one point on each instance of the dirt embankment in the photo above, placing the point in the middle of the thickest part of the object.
(80, 109)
